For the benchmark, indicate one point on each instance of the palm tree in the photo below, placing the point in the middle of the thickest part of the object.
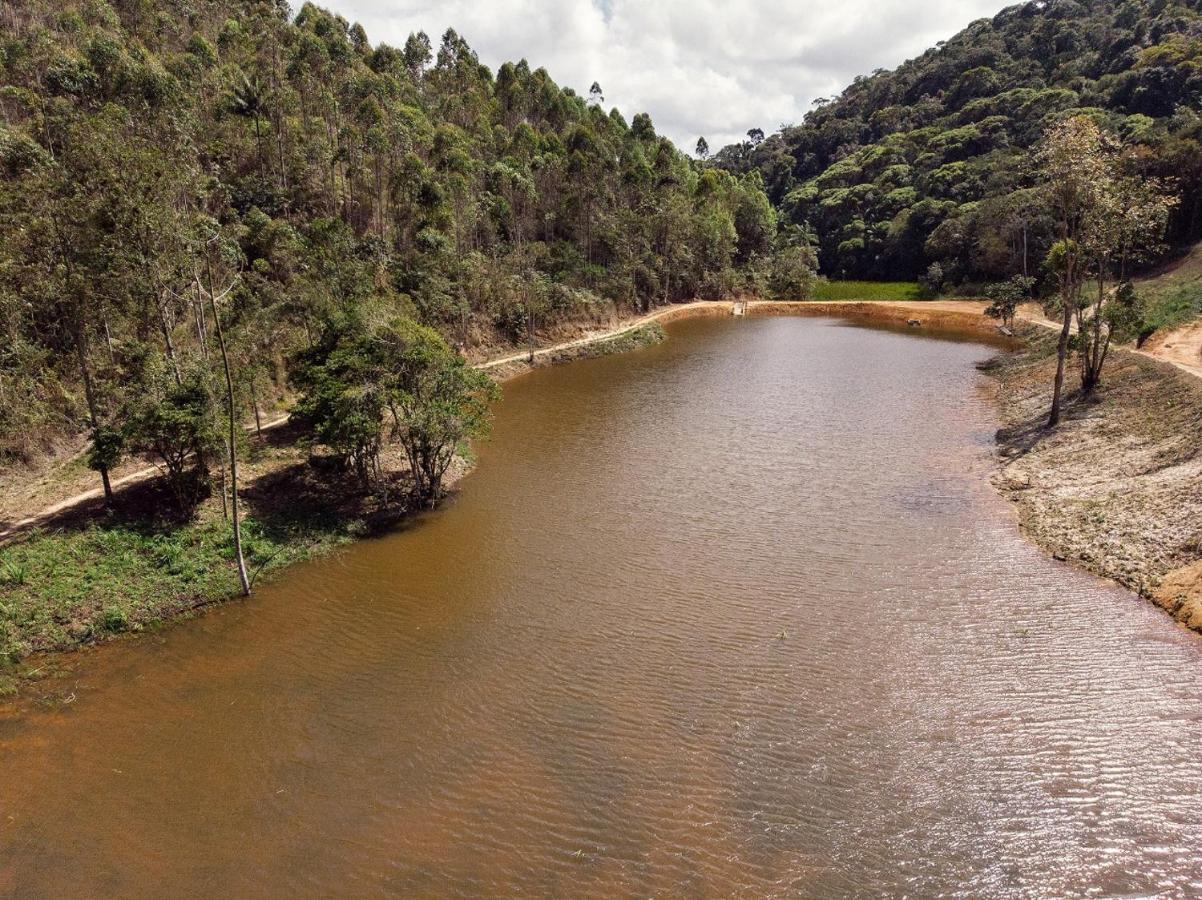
(249, 101)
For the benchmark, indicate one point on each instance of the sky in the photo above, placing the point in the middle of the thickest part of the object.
(711, 68)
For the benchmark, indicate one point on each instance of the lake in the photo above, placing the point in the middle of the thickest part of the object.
(738, 614)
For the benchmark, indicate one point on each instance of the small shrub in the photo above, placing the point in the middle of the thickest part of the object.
(114, 619)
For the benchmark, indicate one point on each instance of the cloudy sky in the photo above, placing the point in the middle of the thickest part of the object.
(699, 67)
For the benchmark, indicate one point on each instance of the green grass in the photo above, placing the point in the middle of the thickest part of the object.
(1174, 297)
(867, 290)
(61, 589)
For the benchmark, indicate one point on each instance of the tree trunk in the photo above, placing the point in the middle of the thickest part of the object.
(167, 339)
(89, 391)
(233, 445)
(259, 145)
(1061, 355)
(254, 400)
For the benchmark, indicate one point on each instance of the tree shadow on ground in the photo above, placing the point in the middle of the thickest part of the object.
(148, 507)
(318, 496)
(1023, 437)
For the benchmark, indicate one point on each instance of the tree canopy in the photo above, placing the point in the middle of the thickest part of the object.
(930, 163)
(145, 142)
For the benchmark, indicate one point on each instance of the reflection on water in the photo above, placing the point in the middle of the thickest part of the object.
(737, 614)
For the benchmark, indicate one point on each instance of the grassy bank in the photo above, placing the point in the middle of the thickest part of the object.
(1174, 293)
(1117, 487)
(66, 587)
(87, 576)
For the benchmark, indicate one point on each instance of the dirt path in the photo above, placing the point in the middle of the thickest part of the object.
(1182, 348)
(95, 493)
(668, 313)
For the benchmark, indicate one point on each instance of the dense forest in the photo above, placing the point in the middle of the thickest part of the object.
(927, 168)
(192, 189)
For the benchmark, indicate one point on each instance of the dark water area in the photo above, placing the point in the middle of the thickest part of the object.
(736, 615)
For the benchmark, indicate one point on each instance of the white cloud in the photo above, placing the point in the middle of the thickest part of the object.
(699, 67)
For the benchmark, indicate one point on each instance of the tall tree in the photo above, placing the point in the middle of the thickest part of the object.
(1073, 160)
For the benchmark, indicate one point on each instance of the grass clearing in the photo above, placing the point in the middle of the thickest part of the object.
(89, 575)
(867, 290)
(1174, 294)
(68, 587)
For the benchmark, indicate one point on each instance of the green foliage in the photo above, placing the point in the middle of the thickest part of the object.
(105, 452)
(179, 426)
(1127, 313)
(1173, 296)
(791, 273)
(437, 401)
(343, 397)
(1006, 296)
(955, 127)
(434, 401)
(281, 174)
(68, 587)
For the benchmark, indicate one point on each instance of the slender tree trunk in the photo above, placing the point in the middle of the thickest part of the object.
(233, 445)
(225, 492)
(167, 342)
(1061, 355)
(254, 401)
(108, 339)
(202, 329)
(259, 145)
(81, 352)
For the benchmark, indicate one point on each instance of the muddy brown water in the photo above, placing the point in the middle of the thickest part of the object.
(737, 615)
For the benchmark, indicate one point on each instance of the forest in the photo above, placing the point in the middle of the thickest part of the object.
(927, 170)
(192, 189)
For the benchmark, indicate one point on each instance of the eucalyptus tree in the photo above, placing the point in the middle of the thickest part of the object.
(1074, 164)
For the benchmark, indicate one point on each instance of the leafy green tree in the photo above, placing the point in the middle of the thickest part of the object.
(177, 423)
(437, 403)
(342, 397)
(1073, 159)
(1005, 297)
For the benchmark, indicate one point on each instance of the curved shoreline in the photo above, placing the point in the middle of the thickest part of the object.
(1098, 503)
(954, 314)
(1176, 588)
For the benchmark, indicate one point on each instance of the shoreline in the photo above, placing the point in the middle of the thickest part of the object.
(1174, 582)
(1116, 488)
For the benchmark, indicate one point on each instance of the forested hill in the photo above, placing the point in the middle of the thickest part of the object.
(156, 152)
(927, 164)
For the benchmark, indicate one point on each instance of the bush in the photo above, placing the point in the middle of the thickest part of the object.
(179, 426)
(791, 274)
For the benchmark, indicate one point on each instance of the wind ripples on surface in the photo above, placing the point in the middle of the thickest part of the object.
(737, 615)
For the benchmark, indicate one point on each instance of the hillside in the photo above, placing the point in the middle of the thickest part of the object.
(927, 163)
(1173, 291)
(156, 155)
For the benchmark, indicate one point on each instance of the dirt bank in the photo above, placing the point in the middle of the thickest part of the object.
(1117, 487)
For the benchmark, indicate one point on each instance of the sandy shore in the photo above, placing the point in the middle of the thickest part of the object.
(1117, 487)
